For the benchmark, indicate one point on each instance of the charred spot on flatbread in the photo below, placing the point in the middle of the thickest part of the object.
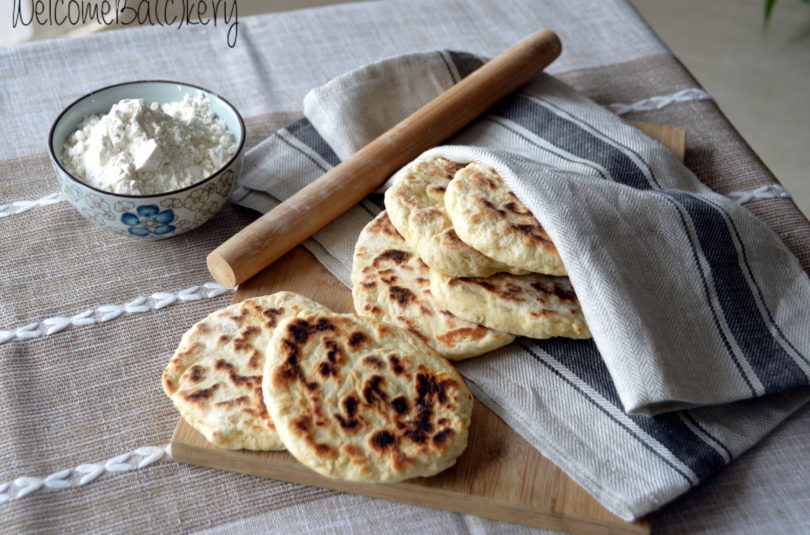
(416, 207)
(215, 376)
(489, 217)
(391, 283)
(534, 305)
(394, 409)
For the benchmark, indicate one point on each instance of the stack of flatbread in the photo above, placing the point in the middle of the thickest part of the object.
(349, 396)
(456, 266)
(459, 262)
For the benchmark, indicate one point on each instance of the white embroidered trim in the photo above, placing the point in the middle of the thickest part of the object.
(18, 207)
(84, 473)
(108, 312)
(768, 191)
(658, 102)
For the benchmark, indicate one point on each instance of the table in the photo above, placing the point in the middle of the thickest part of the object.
(84, 402)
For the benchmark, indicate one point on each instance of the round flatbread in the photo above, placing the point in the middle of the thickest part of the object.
(391, 284)
(489, 217)
(415, 205)
(214, 377)
(358, 399)
(534, 305)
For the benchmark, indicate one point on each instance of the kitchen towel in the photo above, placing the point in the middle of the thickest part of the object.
(692, 300)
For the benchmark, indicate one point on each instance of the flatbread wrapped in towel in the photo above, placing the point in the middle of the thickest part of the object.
(214, 377)
(534, 305)
(392, 284)
(415, 205)
(487, 216)
(358, 399)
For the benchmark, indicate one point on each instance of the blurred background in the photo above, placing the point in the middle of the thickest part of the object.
(758, 73)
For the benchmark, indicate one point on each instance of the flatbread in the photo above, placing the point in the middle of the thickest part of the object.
(489, 217)
(415, 205)
(358, 399)
(534, 305)
(392, 284)
(214, 377)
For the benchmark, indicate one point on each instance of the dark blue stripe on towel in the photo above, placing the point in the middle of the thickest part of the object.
(465, 62)
(508, 126)
(703, 279)
(771, 363)
(733, 227)
(570, 137)
(582, 358)
(599, 133)
(303, 130)
(693, 421)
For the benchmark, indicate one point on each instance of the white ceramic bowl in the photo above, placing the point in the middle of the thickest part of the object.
(150, 217)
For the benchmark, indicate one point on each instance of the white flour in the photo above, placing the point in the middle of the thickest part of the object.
(143, 149)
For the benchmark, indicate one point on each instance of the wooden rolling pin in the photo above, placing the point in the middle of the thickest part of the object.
(312, 207)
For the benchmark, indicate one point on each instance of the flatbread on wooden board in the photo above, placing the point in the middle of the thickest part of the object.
(415, 205)
(214, 377)
(487, 216)
(534, 305)
(390, 283)
(358, 399)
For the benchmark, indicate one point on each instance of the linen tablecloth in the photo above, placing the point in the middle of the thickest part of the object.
(84, 402)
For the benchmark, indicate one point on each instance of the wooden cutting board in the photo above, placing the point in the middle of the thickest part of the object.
(499, 475)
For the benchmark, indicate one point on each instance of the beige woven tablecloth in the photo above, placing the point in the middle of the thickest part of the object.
(84, 402)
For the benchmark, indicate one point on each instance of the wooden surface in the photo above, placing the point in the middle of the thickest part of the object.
(671, 137)
(320, 202)
(499, 476)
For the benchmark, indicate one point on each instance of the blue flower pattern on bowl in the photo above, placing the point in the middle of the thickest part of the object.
(150, 220)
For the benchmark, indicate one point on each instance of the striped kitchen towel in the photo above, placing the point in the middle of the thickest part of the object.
(696, 307)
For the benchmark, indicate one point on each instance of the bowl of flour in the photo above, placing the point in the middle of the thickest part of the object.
(148, 159)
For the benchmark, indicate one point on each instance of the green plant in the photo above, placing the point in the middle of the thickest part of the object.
(769, 4)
